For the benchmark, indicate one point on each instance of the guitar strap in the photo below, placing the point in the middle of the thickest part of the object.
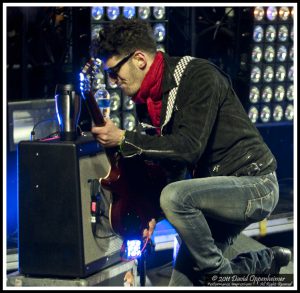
(180, 67)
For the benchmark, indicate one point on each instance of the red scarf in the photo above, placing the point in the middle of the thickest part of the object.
(151, 90)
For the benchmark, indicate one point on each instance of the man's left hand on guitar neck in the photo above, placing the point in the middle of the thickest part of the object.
(109, 135)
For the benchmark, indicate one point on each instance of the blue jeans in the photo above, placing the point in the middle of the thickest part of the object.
(208, 213)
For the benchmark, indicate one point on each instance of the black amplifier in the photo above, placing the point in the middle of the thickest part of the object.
(57, 236)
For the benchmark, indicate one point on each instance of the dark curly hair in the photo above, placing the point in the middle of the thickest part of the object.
(123, 36)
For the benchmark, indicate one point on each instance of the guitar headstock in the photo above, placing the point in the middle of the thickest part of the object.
(89, 75)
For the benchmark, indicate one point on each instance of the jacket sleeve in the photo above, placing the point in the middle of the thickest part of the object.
(186, 136)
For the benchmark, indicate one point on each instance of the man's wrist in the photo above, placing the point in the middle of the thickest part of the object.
(122, 137)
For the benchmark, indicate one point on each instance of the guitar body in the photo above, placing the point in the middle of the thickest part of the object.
(135, 184)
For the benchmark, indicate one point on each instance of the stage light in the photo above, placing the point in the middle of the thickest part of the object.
(267, 94)
(278, 113)
(133, 248)
(253, 114)
(269, 54)
(281, 53)
(256, 54)
(95, 29)
(128, 104)
(144, 12)
(280, 73)
(291, 73)
(279, 93)
(129, 12)
(98, 80)
(270, 33)
(271, 69)
(159, 31)
(255, 74)
(259, 13)
(289, 112)
(265, 114)
(254, 94)
(129, 121)
(290, 93)
(159, 12)
(271, 13)
(283, 33)
(97, 12)
(161, 47)
(116, 119)
(113, 12)
(268, 74)
(115, 103)
(284, 13)
(258, 34)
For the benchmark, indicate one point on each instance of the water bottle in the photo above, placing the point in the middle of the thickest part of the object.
(103, 100)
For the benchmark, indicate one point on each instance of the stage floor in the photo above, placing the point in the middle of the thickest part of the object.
(158, 268)
(277, 230)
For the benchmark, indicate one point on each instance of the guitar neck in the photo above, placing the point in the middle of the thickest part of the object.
(98, 119)
(94, 110)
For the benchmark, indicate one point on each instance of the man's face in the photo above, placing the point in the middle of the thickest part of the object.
(123, 71)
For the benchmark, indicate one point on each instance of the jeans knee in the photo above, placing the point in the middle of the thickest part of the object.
(170, 197)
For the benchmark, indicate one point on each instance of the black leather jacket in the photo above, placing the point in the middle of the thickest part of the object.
(209, 128)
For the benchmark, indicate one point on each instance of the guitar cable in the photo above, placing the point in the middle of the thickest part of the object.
(96, 212)
(51, 135)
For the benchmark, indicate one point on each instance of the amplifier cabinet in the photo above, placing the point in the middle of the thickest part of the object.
(56, 236)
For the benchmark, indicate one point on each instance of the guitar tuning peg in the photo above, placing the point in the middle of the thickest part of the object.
(98, 61)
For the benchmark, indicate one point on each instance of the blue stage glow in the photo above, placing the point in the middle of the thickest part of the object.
(12, 199)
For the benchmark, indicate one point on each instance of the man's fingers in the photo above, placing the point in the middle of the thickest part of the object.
(145, 233)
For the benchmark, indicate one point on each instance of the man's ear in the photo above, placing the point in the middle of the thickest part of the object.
(141, 59)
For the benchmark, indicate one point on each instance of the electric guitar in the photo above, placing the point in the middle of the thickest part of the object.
(135, 184)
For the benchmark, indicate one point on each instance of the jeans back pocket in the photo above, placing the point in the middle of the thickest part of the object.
(260, 208)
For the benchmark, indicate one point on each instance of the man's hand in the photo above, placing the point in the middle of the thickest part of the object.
(108, 135)
(147, 233)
